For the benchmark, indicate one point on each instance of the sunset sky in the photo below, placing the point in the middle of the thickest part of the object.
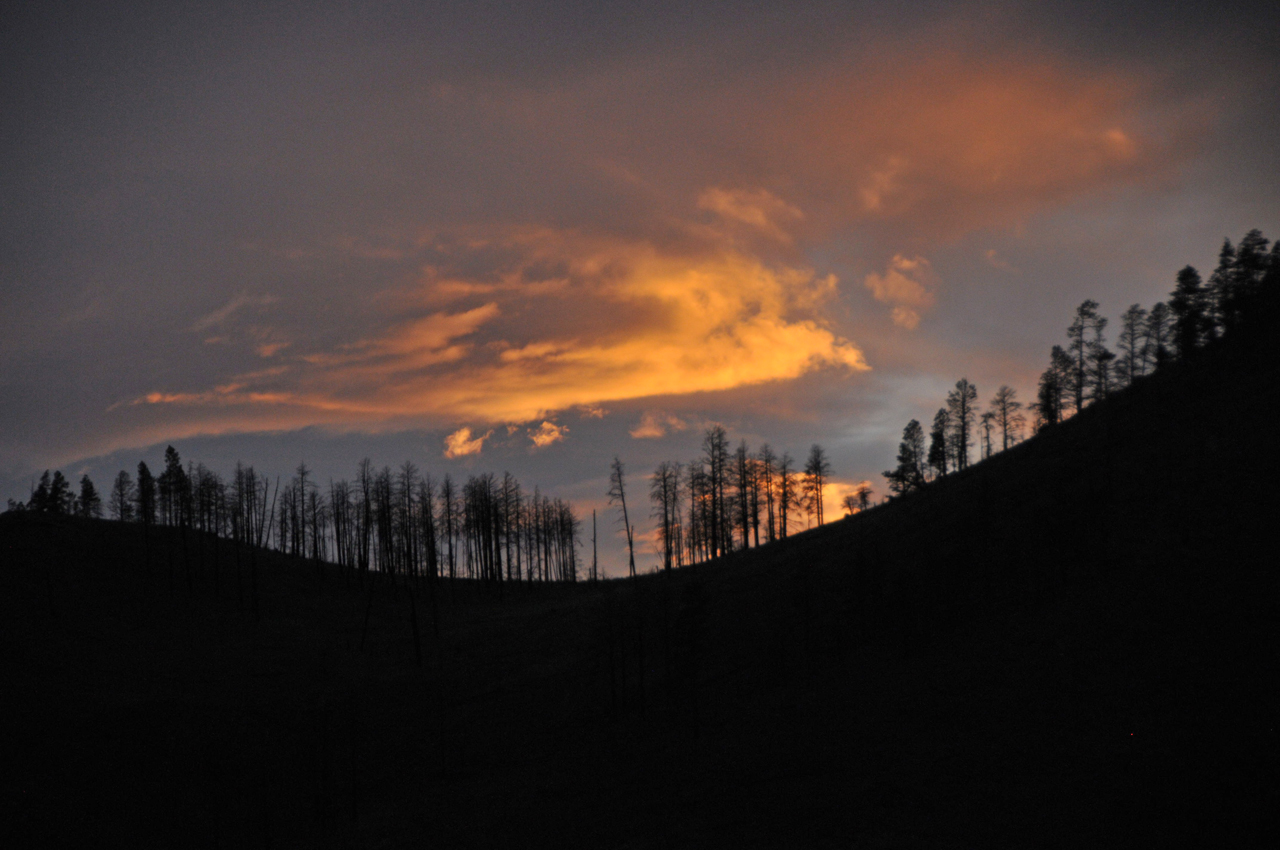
(485, 239)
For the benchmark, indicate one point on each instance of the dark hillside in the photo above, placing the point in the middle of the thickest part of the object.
(1070, 644)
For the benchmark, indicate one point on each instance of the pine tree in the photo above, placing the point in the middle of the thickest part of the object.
(1099, 359)
(1218, 294)
(61, 500)
(987, 422)
(123, 496)
(39, 499)
(1086, 327)
(939, 458)
(1008, 415)
(1053, 388)
(1132, 362)
(786, 491)
(89, 504)
(816, 471)
(1188, 306)
(961, 412)
(1157, 335)
(1249, 275)
(146, 495)
(715, 454)
(909, 474)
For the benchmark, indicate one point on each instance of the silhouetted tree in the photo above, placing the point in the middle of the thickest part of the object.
(90, 503)
(511, 498)
(695, 490)
(740, 481)
(1157, 335)
(618, 496)
(1055, 387)
(1008, 415)
(1084, 330)
(448, 522)
(715, 456)
(39, 498)
(786, 491)
(1188, 306)
(1048, 404)
(594, 575)
(1218, 295)
(60, 500)
(909, 474)
(123, 496)
(817, 470)
(1245, 279)
(298, 509)
(939, 450)
(1132, 362)
(961, 413)
(146, 495)
(987, 425)
(664, 492)
(768, 470)
(1100, 359)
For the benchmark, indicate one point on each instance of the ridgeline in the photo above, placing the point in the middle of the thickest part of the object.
(1071, 643)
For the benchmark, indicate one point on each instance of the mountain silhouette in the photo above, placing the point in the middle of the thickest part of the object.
(1069, 643)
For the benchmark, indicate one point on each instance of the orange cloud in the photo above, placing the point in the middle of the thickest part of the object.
(547, 433)
(956, 142)
(633, 319)
(758, 208)
(905, 286)
(654, 424)
(460, 443)
(928, 139)
(507, 323)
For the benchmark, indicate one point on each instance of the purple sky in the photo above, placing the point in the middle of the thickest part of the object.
(324, 231)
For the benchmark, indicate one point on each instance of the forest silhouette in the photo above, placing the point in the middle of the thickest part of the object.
(1067, 642)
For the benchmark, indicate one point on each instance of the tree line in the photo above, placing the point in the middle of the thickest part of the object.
(399, 523)
(724, 499)
(1085, 370)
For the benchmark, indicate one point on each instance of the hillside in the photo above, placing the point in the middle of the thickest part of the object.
(1069, 644)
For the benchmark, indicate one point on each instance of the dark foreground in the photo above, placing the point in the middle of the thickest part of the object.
(1073, 644)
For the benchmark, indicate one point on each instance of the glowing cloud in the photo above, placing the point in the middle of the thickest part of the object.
(654, 424)
(757, 208)
(631, 319)
(461, 443)
(547, 433)
(905, 286)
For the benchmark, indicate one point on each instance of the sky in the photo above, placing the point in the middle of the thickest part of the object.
(485, 239)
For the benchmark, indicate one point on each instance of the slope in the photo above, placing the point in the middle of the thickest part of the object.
(1070, 643)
